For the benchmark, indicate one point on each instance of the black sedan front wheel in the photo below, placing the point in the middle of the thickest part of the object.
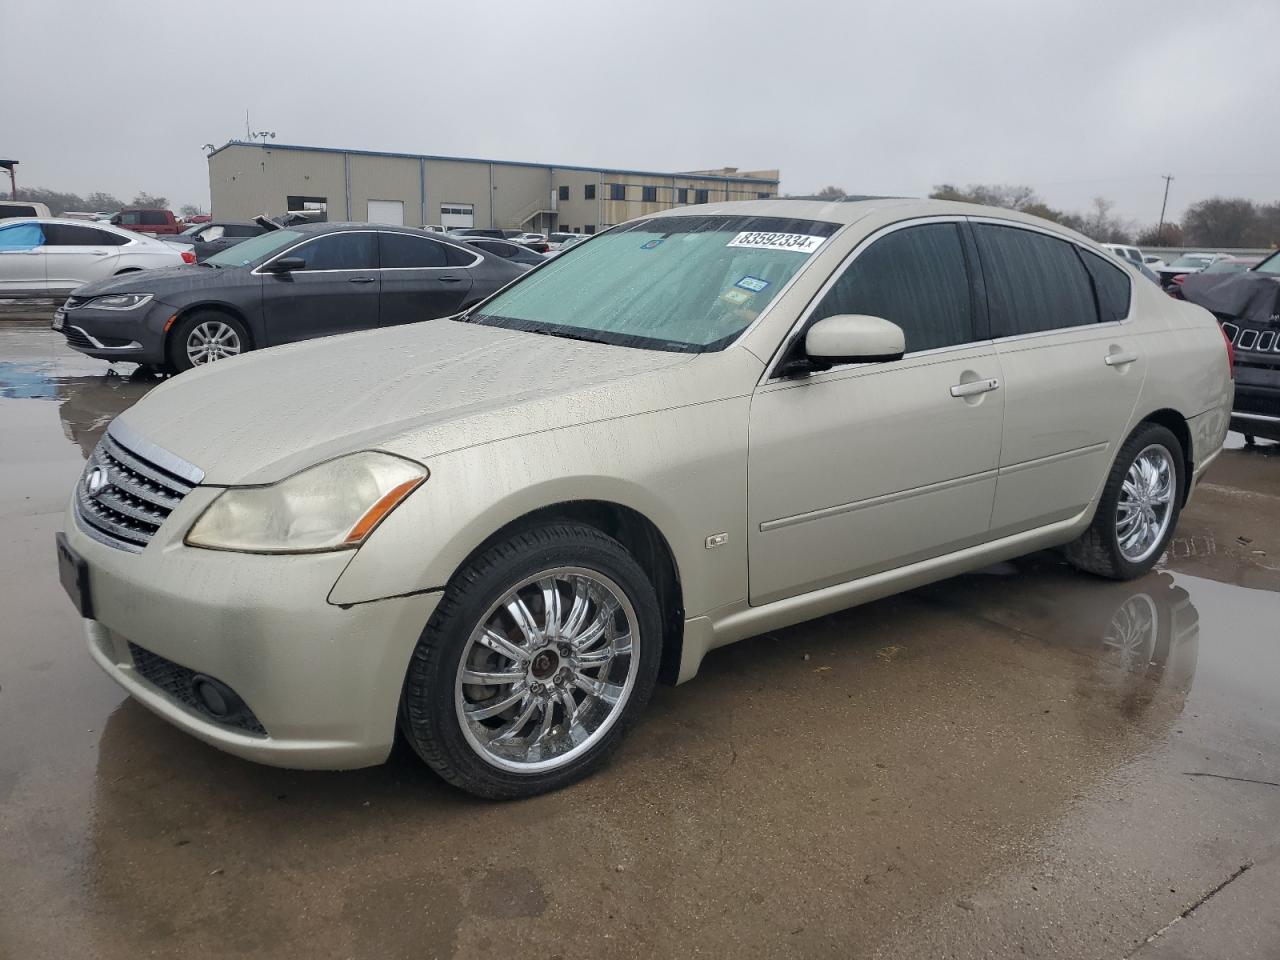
(205, 336)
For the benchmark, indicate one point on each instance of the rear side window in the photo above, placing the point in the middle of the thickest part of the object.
(1034, 282)
(1111, 285)
(915, 277)
(154, 218)
(402, 251)
(131, 217)
(68, 235)
(16, 210)
(339, 251)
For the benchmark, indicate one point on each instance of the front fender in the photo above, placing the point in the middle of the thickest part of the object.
(683, 469)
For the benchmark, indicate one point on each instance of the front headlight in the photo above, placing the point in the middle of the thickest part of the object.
(334, 505)
(119, 301)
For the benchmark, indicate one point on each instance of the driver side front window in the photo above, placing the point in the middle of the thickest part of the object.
(916, 277)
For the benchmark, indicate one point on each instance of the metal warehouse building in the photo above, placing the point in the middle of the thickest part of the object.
(246, 179)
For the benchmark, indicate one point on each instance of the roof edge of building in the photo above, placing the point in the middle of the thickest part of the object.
(508, 163)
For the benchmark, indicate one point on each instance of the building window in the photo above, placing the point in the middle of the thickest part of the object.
(589, 191)
(563, 229)
(564, 193)
(589, 228)
(682, 195)
(617, 191)
(762, 195)
(649, 194)
(319, 204)
(700, 196)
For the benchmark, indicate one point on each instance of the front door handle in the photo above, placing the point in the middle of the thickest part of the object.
(361, 280)
(1120, 357)
(449, 279)
(972, 388)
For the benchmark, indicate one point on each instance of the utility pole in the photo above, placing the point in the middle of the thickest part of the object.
(1168, 178)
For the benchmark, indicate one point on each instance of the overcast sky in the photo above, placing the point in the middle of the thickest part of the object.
(1074, 97)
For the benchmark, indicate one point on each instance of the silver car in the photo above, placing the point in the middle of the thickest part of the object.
(498, 531)
(49, 256)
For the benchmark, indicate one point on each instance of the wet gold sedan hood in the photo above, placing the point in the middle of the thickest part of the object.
(419, 390)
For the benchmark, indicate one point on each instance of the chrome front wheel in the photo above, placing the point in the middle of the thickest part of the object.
(548, 670)
(1145, 505)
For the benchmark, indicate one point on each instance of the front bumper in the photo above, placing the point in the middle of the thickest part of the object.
(323, 681)
(134, 335)
(1256, 410)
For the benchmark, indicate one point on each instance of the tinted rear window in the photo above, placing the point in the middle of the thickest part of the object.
(1034, 282)
(404, 251)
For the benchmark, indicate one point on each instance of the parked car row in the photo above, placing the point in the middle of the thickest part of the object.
(283, 285)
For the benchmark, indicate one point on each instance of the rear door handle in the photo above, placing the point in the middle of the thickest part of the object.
(972, 388)
(449, 279)
(361, 280)
(1120, 357)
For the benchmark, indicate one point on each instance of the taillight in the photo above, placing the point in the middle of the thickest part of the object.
(188, 256)
(1231, 352)
(1179, 278)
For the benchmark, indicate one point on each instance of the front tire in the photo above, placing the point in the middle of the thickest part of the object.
(1139, 507)
(206, 336)
(540, 656)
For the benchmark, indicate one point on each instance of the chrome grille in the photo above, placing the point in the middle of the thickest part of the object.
(122, 499)
(76, 337)
(1252, 339)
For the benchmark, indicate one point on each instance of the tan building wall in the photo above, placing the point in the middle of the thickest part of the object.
(249, 179)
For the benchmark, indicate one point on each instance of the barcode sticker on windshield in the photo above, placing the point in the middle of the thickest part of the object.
(795, 242)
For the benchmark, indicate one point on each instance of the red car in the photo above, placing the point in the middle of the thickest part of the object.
(147, 220)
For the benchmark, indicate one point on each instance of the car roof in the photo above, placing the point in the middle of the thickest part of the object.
(844, 212)
(71, 222)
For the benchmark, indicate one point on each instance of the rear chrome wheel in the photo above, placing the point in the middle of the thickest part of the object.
(1138, 509)
(548, 670)
(1145, 505)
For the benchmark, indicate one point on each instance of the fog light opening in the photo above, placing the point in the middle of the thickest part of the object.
(215, 698)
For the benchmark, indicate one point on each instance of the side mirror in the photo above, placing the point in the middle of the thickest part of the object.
(286, 265)
(852, 338)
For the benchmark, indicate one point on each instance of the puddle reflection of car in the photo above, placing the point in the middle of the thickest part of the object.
(497, 530)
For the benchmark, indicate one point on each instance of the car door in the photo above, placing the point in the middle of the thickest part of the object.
(22, 258)
(867, 467)
(421, 278)
(335, 291)
(1073, 370)
(75, 255)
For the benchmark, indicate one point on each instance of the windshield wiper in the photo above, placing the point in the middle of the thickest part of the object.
(563, 335)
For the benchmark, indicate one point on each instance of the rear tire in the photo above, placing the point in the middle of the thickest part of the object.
(205, 336)
(1143, 495)
(498, 696)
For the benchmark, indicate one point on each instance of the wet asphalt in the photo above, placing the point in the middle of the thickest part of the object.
(1022, 761)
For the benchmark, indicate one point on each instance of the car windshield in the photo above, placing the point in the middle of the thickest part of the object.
(1270, 265)
(668, 283)
(1228, 266)
(254, 249)
(1192, 260)
(194, 228)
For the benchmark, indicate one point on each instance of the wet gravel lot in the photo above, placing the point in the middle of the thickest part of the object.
(1020, 761)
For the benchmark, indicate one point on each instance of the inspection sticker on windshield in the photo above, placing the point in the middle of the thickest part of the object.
(753, 284)
(796, 242)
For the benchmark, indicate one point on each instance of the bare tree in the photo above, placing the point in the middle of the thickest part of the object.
(1101, 225)
(144, 199)
(831, 193)
(191, 210)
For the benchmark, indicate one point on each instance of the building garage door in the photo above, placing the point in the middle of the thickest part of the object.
(457, 215)
(387, 211)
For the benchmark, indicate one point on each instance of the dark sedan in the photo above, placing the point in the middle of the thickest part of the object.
(206, 239)
(291, 284)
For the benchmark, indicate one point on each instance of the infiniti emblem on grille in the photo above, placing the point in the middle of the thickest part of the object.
(95, 480)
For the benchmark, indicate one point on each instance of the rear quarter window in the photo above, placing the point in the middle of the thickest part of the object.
(1112, 286)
